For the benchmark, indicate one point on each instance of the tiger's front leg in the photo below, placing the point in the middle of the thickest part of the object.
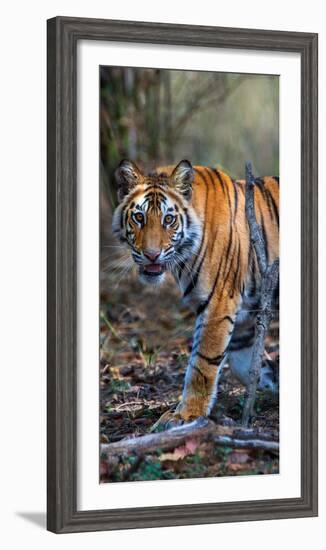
(212, 334)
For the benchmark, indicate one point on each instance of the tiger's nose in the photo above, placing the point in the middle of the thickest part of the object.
(152, 255)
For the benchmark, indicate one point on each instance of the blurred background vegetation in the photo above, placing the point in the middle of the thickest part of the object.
(160, 116)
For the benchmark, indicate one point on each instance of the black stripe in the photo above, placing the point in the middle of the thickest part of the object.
(194, 279)
(226, 191)
(228, 250)
(236, 199)
(240, 186)
(229, 198)
(236, 273)
(239, 345)
(149, 195)
(197, 369)
(205, 217)
(201, 175)
(123, 210)
(268, 197)
(244, 334)
(269, 205)
(265, 195)
(188, 218)
(230, 243)
(155, 194)
(145, 201)
(155, 186)
(125, 215)
(226, 273)
(273, 206)
(208, 171)
(182, 265)
(228, 318)
(220, 179)
(187, 243)
(161, 196)
(243, 340)
(205, 303)
(260, 184)
(212, 360)
(213, 239)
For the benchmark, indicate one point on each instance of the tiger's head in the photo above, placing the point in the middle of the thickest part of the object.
(155, 218)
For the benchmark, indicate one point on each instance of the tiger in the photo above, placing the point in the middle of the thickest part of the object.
(191, 221)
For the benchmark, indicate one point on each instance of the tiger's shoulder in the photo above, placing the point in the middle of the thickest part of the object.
(214, 183)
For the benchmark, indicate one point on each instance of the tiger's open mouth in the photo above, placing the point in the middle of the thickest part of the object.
(152, 270)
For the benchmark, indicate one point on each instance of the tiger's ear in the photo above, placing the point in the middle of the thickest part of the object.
(183, 177)
(127, 176)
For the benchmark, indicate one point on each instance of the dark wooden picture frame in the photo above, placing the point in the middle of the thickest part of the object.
(63, 36)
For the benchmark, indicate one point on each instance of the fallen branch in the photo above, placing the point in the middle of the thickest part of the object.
(250, 433)
(170, 439)
(269, 281)
(228, 441)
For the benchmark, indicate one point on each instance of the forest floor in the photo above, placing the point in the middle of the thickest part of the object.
(145, 342)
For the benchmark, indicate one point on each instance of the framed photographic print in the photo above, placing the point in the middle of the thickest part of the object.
(182, 274)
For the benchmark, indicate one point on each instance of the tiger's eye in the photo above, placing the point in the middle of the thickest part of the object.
(168, 218)
(139, 217)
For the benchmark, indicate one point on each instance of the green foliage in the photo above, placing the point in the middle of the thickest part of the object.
(151, 470)
(238, 407)
(117, 386)
(196, 467)
(182, 360)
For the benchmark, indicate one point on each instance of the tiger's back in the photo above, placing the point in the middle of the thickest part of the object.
(219, 202)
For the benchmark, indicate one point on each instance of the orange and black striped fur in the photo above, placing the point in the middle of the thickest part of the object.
(191, 221)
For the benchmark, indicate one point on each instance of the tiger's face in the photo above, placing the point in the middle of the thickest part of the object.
(155, 218)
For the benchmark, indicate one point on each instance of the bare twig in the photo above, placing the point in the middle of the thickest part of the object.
(269, 281)
(170, 439)
(256, 234)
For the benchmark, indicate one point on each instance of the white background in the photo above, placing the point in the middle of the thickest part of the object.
(92, 495)
(22, 219)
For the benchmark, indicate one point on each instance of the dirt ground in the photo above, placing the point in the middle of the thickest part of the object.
(145, 342)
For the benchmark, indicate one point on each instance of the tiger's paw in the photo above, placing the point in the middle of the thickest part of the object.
(172, 419)
(169, 419)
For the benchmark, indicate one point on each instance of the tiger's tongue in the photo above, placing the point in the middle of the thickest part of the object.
(153, 268)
